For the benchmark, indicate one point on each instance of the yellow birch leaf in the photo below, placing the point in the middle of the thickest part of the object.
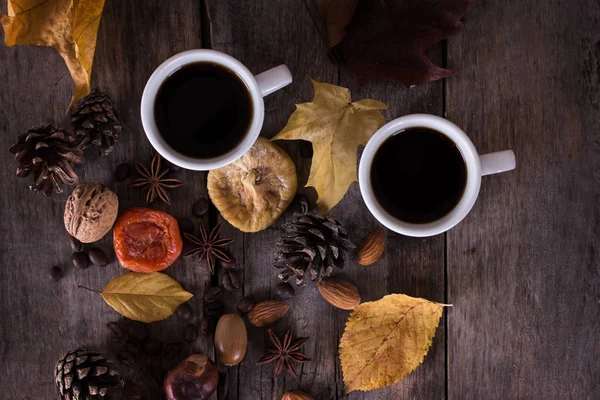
(145, 297)
(336, 127)
(385, 340)
(70, 26)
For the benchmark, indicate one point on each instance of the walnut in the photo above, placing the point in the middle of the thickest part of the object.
(90, 212)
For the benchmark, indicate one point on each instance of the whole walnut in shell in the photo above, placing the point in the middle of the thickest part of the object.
(253, 191)
(90, 212)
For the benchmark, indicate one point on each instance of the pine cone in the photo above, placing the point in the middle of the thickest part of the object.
(50, 153)
(85, 375)
(96, 123)
(314, 243)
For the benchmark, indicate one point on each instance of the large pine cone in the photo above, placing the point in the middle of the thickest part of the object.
(50, 153)
(313, 245)
(85, 375)
(96, 123)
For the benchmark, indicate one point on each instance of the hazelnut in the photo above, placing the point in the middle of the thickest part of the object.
(90, 212)
(195, 378)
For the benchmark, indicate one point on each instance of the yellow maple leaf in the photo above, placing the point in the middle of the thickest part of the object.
(385, 340)
(336, 127)
(70, 26)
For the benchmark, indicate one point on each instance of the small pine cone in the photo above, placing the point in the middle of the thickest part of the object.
(85, 375)
(50, 154)
(312, 246)
(96, 123)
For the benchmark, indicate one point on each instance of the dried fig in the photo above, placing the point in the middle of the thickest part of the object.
(252, 192)
(195, 378)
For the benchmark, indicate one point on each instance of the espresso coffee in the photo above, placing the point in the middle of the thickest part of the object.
(418, 175)
(203, 110)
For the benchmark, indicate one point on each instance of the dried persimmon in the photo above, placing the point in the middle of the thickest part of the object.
(146, 240)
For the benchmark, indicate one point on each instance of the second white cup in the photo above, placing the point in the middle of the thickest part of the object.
(476, 167)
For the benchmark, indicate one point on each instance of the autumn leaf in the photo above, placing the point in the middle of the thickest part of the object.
(394, 47)
(145, 297)
(336, 15)
(70, 26)
(385, 340)
(336, 127)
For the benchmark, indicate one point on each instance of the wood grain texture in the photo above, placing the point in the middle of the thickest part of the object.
(523, 269)
(42, 319)
(412, 266)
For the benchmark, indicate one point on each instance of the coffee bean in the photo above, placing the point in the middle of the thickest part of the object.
(229, 264)
(97, 257)
(190, 333)
(126, 357)
(214, 309)
(213, 294)
(205, 326)
(56, 273)
(200, 207)
(75, 244)
(121, 172)
(231, 282)
(186, 225)
(115, 330)
(171, 351)
(152, 347)
(133, 347)
(245, 304)
(284, 290)
(138, 331)
(80, 260)
(185, 311)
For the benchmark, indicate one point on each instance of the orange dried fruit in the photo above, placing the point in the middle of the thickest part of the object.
(146, 240)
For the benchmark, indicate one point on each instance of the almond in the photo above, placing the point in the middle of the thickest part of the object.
(296, 396)
(267, 312)
(372, 248)
(339, 293)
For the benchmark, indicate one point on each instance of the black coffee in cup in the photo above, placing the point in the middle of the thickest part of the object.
(418, 175)
(203, 110)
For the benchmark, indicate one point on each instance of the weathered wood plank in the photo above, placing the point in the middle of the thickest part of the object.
(523, 266)
(252, 34)
(40, 318)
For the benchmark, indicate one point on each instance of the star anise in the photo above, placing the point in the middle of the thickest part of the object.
(154, 182)
(209, 246)
(285, 353)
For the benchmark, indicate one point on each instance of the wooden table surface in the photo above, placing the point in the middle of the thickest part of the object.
(522, 270)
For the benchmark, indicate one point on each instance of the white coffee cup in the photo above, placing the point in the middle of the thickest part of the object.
(258, 86)
(476, 166)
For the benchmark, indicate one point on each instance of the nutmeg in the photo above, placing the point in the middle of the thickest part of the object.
(195, 378)
(90, 212)
(231, 339)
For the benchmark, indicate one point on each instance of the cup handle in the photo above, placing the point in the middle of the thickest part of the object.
(500, 161)
(273, 79)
